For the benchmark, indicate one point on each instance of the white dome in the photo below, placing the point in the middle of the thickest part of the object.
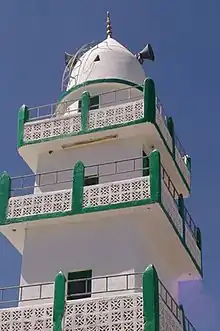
(109, 59)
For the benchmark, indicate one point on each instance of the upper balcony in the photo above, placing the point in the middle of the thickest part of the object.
(116, 302)
(139, 187)
(127, 112)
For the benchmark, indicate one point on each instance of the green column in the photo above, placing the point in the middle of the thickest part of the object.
(22, 118)
(183, 318)
(59, 301)
(170, 127)
(151, 299)
(182, 213)
(78, 184)
(5, 188)
(149, 100)
(85, 105)
(155, 176)
(188, 162)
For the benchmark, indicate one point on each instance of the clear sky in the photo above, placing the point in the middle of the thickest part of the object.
(185, 36)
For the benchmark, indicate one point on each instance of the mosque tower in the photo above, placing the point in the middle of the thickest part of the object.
(102, 227)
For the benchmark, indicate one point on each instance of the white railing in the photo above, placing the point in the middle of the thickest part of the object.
(39, 204)
(121, 312)
(116, 192)
(99, 118)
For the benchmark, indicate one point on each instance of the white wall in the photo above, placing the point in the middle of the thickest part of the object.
(108, 246)
(91, 155)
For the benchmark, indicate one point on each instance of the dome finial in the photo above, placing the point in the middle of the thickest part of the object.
(108, 26)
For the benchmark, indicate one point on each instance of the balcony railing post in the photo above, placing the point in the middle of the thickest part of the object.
(149, 100)
(77, 190)
(181, 208)
(59, 301)
(5, 188)
(170, 127)
(183, 318)
(85, 105)
(155, 176)
(151, 299)
(23, 115)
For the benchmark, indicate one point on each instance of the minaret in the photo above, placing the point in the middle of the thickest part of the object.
(107, 197)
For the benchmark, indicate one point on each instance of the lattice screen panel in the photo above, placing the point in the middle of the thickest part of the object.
(168, 321)
(39, 204)
(171, 208)
(163, 129)
(33, 318)
(121, 313)
(116, 192)
(118, 114)
(49, 128)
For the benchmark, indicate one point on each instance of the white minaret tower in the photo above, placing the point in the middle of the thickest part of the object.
(106, 204)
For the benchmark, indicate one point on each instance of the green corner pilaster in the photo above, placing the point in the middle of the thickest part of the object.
(149, 100)
(170, 127)
(22, 118)
(188, 162)
(183, 318)
(5, 188)
(181, 208)
(151, 299)
(85, 102)
(155, 176)
(78, 184)
(59, 301)
(199, 243)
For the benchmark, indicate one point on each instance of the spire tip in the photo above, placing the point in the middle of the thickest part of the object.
(108, 26)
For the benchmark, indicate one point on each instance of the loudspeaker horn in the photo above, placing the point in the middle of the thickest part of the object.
(147, 53)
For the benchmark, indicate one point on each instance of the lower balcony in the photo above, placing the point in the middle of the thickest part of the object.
(138, 188)
(117, 302)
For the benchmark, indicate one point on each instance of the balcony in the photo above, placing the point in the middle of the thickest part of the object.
(131, 112)
(139, 187)
(116, 302)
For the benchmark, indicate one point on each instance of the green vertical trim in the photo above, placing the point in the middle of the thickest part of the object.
(155, 176)
(85, 105)
(78, 184)
(181, 208)
(5, 188)
(170, 127)
(149, 100)
(188, 162)
(151, 299)
(183, 318)
(145, 164)
(59, 301)
(22, 118)
(199, 238)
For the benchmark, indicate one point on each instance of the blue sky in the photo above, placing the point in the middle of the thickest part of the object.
(185, 37)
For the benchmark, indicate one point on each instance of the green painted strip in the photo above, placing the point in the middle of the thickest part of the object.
(182, 213)
(22, 118)
(170, 127)
(155, 176)
(188, 163)
(149, 101)
(183, 318)
(98, 81)
(5, 187)
(59, 301)
(38, 217)
(78, 184)
(151, 299)
(85, 101)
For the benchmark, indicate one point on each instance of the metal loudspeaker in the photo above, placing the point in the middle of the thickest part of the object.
(147, 53)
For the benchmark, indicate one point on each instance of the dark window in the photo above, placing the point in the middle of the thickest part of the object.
(97, 58)
(91, 180)
(79, 285)
(146, 164)
(94, 103)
